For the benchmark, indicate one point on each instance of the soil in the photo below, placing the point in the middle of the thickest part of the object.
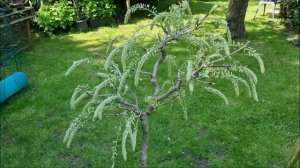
(202, 132)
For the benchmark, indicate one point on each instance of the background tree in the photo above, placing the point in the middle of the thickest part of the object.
(128, 7)
(209, 57)
(236, 17)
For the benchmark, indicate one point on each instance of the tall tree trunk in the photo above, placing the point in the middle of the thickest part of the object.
(236, 17)
(145, 127)
(128, 7)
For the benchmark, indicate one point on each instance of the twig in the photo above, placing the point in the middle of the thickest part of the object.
(218, 66)
(146, 73)
(154, 81)
(172, 89)
(223, 58)
(161, 104)
(133, 107)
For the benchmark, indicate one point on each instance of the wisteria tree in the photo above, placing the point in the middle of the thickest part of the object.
(143, 59)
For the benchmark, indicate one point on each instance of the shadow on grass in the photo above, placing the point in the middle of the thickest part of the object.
(44, 104)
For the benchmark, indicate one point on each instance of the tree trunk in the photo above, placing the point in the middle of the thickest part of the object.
(145, 127)
(236, 17)
(128, 7)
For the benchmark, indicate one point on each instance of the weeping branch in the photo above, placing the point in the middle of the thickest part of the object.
(234, 52)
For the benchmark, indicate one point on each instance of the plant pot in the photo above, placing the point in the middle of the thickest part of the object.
(81, 25)
(283, 11)
(106, 21)
(94, 23)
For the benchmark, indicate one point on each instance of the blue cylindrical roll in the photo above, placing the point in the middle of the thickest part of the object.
(12, 84)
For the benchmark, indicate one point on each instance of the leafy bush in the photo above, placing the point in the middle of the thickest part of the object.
(58, 15)
(290, 13)
(3, 3)
(96, 8)
(108, 8)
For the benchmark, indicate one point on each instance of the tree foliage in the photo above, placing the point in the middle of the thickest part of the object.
(210, 56)
(58, 15)
(290, 12)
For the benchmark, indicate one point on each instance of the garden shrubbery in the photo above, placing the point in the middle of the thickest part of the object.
(290, 13)
(3, 3)
(58, 15)
(63, 13)
(97, 9)
(55, 14)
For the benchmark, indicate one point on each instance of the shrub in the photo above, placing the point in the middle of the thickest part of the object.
(96, 8)
(3, 4)
(108, 8)
(290, 13)
(58, 15)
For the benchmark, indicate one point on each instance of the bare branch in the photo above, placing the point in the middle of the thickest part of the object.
(135, 96)
(132, 107)
(172, 89)
(154, 81)
(167, 101)
(200, 21)
(218, 66)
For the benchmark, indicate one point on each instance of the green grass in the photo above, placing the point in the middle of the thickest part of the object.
(243, 134)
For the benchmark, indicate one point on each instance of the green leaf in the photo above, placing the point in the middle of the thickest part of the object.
(189, 70)
(217, 92)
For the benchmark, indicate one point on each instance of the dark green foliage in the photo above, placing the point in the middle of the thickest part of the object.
(3, 3)
(290, 13)
(57, 15)
(61, 14)
(97, 9)
(121, 5)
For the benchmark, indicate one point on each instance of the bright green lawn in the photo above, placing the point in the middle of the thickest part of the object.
(243, 134)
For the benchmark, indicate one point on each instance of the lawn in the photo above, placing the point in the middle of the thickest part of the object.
(244, 134)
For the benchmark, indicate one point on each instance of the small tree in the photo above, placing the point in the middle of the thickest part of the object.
(209, 57)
